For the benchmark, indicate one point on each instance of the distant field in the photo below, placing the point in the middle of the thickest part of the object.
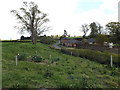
(57, 70)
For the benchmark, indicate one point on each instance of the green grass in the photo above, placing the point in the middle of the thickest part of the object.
(66, 72)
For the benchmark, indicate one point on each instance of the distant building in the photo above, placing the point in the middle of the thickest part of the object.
(111, 45)
(73, 43)
(91, 40)
(69, 42)
(63, 41)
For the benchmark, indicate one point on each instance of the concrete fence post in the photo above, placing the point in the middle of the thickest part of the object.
(16, 59)
(71, 53)
(111, 60)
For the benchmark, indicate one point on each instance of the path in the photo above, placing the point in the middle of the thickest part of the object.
(56, 45)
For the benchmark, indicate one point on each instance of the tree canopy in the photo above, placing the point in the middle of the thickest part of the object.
(114, 31)
(96, 29)
(85, 29)
(31, 19)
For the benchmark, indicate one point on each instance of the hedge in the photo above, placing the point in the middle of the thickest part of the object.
(23, 41)
(101, 57)
(47, 40)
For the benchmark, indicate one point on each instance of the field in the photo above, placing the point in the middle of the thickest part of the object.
(57, 70)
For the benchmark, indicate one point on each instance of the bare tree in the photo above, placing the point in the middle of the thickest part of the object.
(100, 28)
(31, 19)
(85, 29)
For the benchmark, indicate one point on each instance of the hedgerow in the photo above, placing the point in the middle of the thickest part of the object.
(101, 57)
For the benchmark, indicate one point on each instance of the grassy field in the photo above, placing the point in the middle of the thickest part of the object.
(58, 71)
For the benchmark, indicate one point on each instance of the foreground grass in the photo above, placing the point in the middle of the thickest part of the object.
(68, 72)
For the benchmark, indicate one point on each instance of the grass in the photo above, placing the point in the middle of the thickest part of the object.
(58, 71)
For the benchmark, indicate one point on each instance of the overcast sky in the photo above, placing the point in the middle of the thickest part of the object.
(63, 14)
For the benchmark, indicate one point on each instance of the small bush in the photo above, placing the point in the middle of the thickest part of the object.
(21, 56)
(101, 39)
(37, 58)
(56, 59)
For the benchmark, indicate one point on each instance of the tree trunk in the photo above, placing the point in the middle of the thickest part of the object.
(34, 37)
(34, 34)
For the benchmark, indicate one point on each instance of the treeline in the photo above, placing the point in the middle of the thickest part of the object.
(111, 33)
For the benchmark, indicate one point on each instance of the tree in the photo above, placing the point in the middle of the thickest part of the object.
(85, 29)
(101, 39)
(31, 19)
(96, 29)
(99, 28)
(114, 31)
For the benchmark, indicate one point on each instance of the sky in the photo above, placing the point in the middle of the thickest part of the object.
(63, 14)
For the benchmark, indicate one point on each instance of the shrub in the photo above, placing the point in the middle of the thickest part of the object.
(101, 39)
(37, 58)
(21, 56)
(56, 59)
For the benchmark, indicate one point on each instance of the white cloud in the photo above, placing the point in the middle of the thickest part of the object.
(62, 14)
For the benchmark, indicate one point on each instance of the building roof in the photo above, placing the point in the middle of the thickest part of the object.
(64, 38)
(73, 41)
(91, 40)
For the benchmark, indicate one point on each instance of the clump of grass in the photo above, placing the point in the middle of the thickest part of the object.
(55, 60)
(48, 74)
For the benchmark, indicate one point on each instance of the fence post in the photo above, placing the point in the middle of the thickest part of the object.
(71, 53)
(111, 61)
(16, 59)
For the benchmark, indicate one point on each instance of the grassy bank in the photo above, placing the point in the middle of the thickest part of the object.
(57, 70)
